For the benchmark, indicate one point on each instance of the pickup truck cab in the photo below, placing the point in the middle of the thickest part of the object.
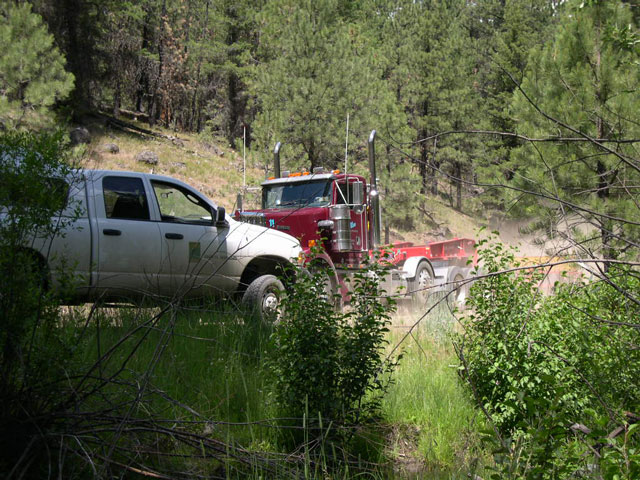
(129, 235)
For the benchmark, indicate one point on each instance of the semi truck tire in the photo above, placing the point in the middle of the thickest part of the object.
(262, 298)
(421, 283)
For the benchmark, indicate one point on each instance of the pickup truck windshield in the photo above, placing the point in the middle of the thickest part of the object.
(295, 195)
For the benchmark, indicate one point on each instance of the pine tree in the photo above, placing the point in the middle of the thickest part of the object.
(32, 73)
(448, 100)
(426, 56)
(582, 85)
(317, 68)
(506, 31)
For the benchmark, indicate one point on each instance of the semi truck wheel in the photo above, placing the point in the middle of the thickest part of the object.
(329, 285)
(263, 296)
(421, 283)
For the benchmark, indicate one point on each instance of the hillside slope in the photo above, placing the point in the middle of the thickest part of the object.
(216, 169)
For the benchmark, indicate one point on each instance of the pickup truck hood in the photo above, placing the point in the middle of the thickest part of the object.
(256, 240)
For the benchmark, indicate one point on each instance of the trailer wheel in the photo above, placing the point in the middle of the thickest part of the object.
(263, 297)
(459, 290)
(421, 283)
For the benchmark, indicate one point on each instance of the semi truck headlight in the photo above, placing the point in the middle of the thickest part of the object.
(325, 224)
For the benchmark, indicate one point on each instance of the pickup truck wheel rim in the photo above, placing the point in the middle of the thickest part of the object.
(270, 303)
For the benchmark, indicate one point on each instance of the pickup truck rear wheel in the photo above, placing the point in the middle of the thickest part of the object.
(263, 297)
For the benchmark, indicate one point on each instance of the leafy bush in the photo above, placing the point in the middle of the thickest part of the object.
(34, 352)
(328, 364)
(538, 365)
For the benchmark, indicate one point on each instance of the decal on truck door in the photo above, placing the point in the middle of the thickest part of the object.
(194, 251)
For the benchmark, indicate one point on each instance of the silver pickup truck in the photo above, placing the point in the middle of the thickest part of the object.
(130, 235)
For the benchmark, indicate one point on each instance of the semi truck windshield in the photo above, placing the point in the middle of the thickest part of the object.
(299, 194)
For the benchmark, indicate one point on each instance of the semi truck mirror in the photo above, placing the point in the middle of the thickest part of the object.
(357, 189)
(358, 192)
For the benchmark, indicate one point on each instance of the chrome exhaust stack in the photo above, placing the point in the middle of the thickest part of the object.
(276, 160)
(374, 196)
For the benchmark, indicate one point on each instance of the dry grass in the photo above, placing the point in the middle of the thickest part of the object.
(210, 168)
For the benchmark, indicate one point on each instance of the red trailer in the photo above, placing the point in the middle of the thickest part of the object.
(341, 214)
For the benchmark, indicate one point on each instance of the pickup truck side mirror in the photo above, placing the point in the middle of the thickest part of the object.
(221, 220)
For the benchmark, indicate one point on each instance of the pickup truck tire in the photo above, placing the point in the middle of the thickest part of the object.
(262, 297)
(421, 283)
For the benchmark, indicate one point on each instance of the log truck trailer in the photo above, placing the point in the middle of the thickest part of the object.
(341, 213)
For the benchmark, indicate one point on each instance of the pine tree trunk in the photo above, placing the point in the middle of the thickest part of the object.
(313, 157)
(117, 98)
(424, 158)
(76, 59)
(458, 182)
(143, 83)
(234, 114)
(434, 170)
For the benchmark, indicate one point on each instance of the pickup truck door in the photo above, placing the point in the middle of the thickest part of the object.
(195, 258)
(128, 242)
(69, 251)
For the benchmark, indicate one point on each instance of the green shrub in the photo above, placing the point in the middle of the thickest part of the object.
(538, 365)
(35, 355)
(328, 364)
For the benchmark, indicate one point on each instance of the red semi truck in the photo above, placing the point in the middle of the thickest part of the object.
(341, 213)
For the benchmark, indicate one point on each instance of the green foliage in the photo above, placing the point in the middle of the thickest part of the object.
(34, 352)
(317, 68)
(507, 31)
(586, 85)
(33, 76)
(329, 364)
(537, 365)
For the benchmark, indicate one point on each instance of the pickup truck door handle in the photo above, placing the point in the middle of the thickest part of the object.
(174, 236)
(111, 231)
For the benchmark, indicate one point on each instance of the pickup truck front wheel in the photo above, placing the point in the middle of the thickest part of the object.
(263, 296)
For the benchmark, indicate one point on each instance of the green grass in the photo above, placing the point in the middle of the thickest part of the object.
(217, 365)
(433, 414)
